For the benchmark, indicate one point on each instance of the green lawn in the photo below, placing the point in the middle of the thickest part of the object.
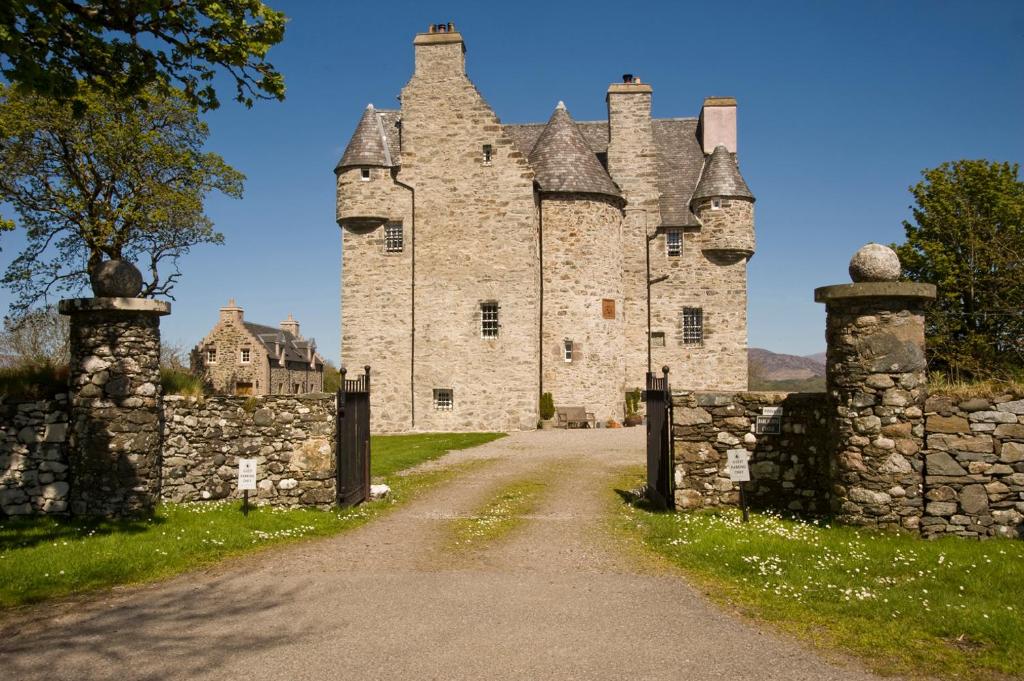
(951, 608)
(499, 516)
(392, 453)
(42, 558)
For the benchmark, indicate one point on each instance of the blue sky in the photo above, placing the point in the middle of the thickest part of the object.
(841, 105)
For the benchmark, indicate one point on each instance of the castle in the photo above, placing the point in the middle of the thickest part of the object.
(485, 263)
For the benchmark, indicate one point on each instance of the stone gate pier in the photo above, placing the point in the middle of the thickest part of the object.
(115, 424)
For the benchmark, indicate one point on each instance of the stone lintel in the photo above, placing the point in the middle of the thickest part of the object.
(437, 38)
(629, 88)
(72, 306)
(874, 289)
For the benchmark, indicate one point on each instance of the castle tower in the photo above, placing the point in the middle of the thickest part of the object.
(581, 232)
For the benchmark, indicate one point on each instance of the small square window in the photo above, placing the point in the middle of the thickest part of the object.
(246, 356)
(693, 326)
(608, 308)
(488, 154)
(364, 174)
(443, 399)
(211, 355)
(394, 241)
(674, 243)
(489, 320)
(567, 350)
(657, 339)
(716, 204)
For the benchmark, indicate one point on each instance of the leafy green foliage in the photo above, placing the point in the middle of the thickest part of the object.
(332, 377)
(126, 180)
(633, 402)
(547, 406)
(122, 47)
(181, 382)
(967, 237)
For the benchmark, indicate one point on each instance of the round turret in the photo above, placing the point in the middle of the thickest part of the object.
(725, 206)
(364, 181)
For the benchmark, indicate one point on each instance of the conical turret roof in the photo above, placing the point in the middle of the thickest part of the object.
(367, 146)
(721, 177)
(562, 160)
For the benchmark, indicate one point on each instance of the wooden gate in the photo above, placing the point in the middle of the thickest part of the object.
(660, 477)
(352, 439)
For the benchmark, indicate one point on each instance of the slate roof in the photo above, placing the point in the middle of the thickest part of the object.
(295, 349)
(680, 160)
(369, 145)
(721, 177)
(563, 161)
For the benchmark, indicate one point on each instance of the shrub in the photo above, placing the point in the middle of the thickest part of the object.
(547, 406)
(181, 382)
(633, 402)
(33, 381)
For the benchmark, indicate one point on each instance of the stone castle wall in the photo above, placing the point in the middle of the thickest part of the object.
(291, 437)
(788, 471)
(974, 467)
(582, 268)
(33, 458)
(476, 242)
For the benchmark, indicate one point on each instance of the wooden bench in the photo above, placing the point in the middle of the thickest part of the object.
(575, 417)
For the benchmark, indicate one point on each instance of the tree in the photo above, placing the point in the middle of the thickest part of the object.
(123, 47)
(967, 237)
(332, 377)
(39, 338)
(126, 180)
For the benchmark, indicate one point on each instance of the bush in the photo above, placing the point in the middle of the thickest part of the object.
(181, 382)
(633, 402)
(547, 406)
(33, 381)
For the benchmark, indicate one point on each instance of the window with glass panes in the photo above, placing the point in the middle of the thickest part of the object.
(393, 242)
(489, 320)
(674, 243)
(693, 325)
(443, 399)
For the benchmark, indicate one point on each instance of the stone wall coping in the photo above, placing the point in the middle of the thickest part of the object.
(753, 393)
(70, 306)
(874, 289)
(241, 399)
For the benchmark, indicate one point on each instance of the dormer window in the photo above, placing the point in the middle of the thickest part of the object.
(488, 154)
(716, 204)
(364, 174)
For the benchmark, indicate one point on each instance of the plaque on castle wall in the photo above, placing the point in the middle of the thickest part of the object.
(608, 308)
(768, 425)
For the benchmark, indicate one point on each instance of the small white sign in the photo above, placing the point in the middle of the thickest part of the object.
(739, 471)
(246, 474)
(771, 411)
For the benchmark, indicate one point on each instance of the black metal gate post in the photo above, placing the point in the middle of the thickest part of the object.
(352, 439)
(660, 477)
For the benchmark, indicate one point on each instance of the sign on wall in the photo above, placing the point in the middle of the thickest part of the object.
(246, 474)
(736, 463)
(769, 422)
(608, 308)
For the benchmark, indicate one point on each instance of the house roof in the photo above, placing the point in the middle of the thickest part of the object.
(721, 177)
(369, 145)
(275, 340)
(562, 160)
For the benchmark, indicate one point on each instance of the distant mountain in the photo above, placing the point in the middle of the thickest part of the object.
(792, 373)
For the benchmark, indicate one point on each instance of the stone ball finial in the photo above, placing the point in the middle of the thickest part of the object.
(116, 279)
(875, 262)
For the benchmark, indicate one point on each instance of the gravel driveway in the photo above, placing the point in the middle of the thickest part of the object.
(558, 599)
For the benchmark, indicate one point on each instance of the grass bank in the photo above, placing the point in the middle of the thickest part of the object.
(950, 608)
(499, 516)
(43, 558)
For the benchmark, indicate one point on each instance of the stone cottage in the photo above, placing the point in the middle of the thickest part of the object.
(485, 263)
(242, 358)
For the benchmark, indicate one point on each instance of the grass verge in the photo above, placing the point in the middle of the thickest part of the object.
(499, 516)
(393, 453)
(949, 608)
(44, 558)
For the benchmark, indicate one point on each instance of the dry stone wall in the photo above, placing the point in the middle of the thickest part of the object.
(33, 462)
(788, 470)
(974, 467)
(291, 437)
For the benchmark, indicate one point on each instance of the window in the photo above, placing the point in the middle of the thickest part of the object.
(393, 239)
(693, 326)
(489, 320)
(246, 356)
(567, 350)
(716, 204)
(657, 339)
(443, 399)
(488, 154)
(674, 243)
(364, 174)
(211, 355)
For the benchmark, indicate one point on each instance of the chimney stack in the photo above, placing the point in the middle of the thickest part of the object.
(440, 53)
(232, 313)
(290, 326)
(718, 124)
